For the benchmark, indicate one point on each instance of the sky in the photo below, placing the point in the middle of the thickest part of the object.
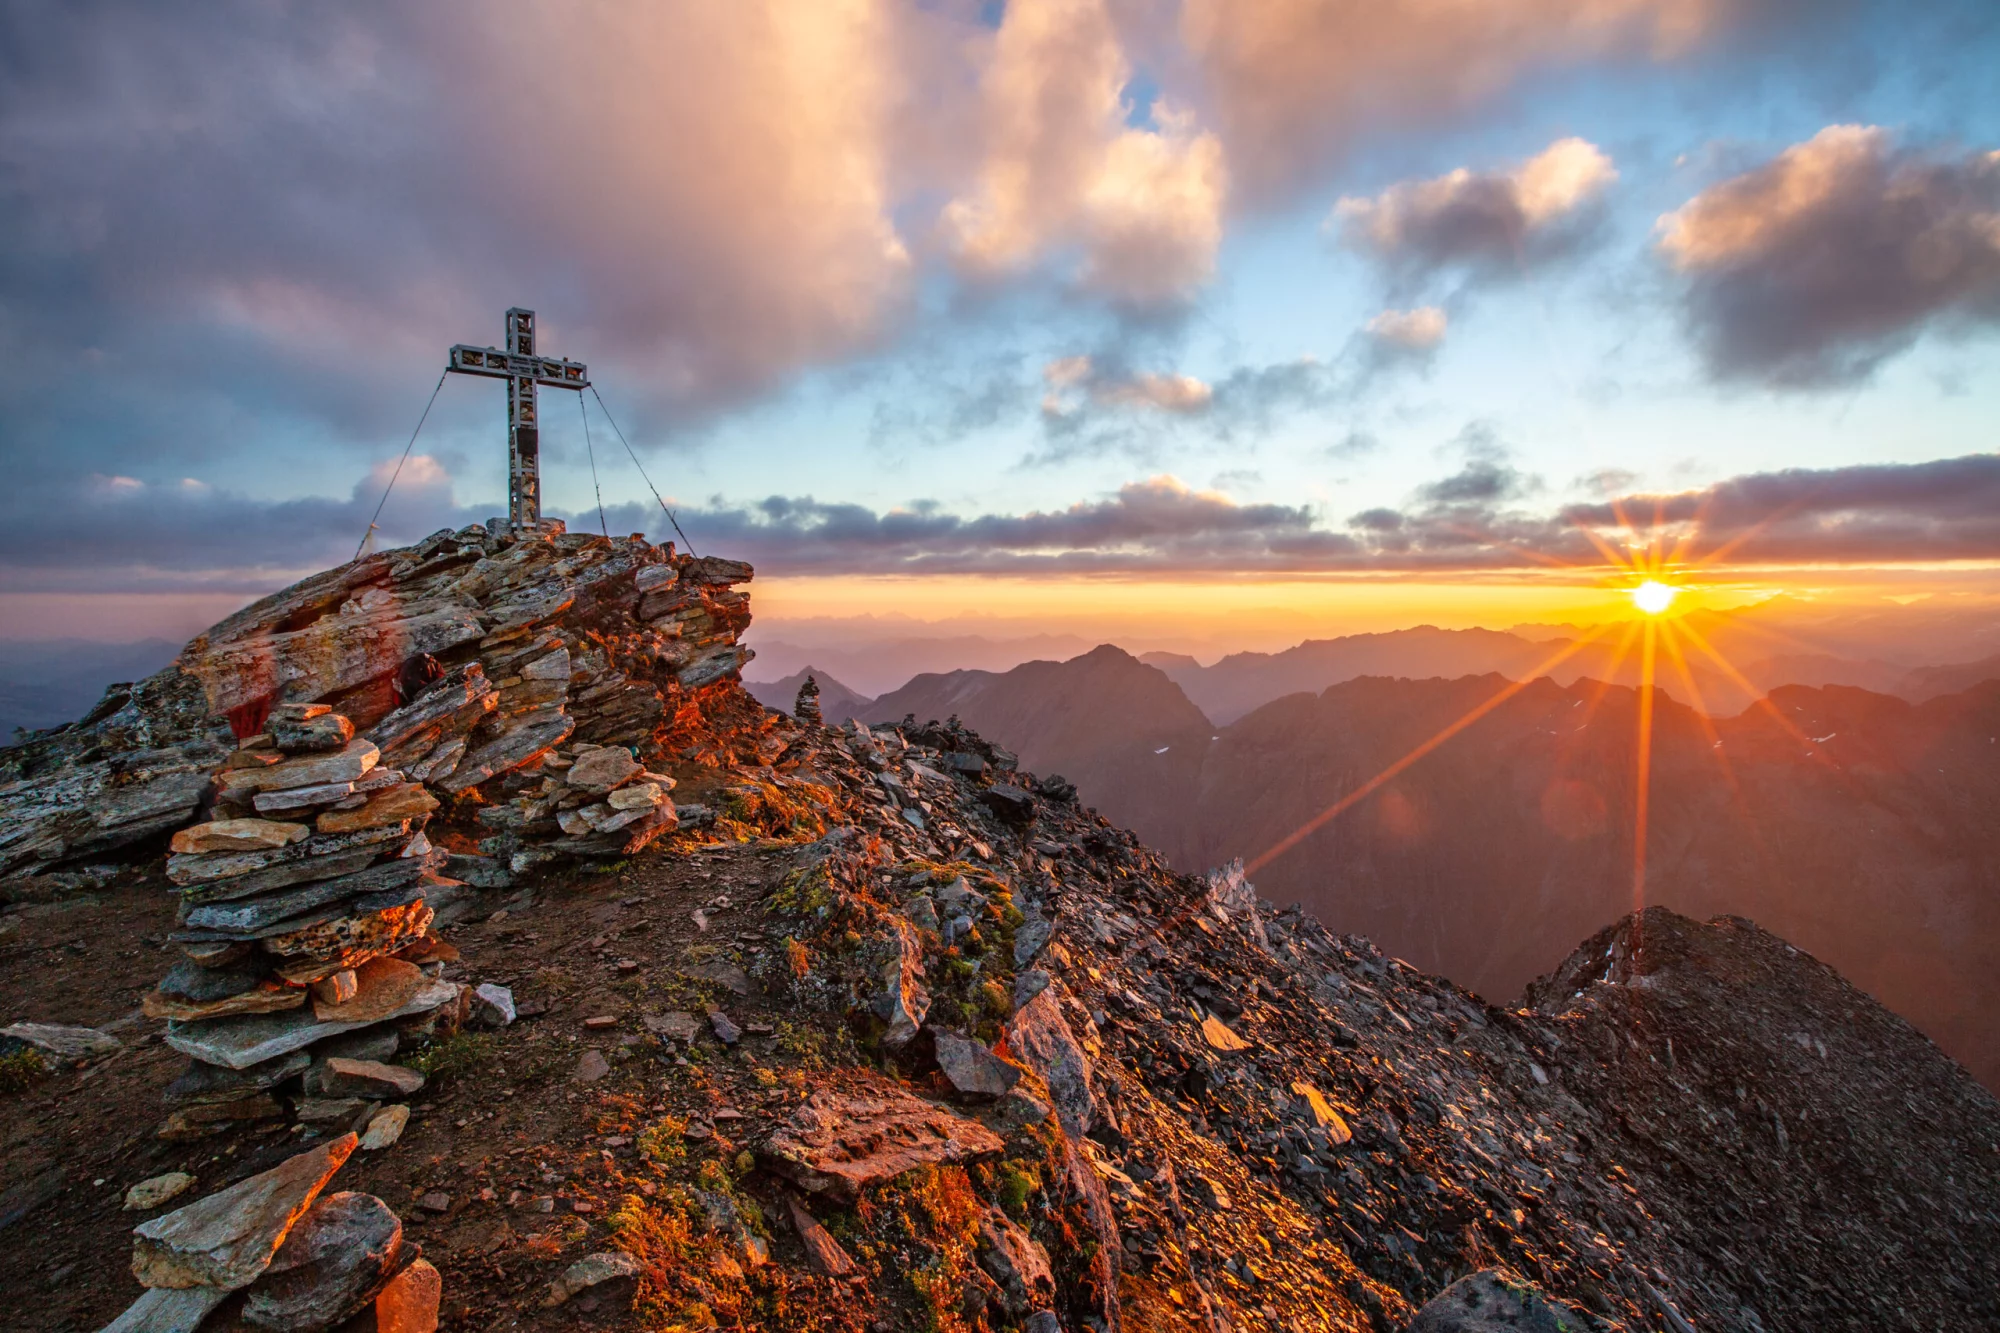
(1198, 322)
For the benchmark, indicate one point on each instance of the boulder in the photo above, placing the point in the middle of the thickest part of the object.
(385, 1127)
(842, 1141)
(599, 771)
(492, 1006)
(1039, 1037)
(150, 1194)
(409, 1304)
(227, 1239)
(314, 735)
(902, 1001)
(61, 1041)
(339, 1255)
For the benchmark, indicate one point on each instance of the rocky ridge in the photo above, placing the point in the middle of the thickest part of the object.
(1005, 1068)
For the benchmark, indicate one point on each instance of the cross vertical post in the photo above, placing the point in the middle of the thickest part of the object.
(524, 368)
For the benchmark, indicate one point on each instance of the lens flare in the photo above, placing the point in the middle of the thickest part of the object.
(1654, 597)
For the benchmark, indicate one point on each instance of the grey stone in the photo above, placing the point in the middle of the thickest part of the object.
(150, 1194)
(726, 1030)
(902, 1000)
(1498, 1301)
(346, 765)
(189, 980)
(482, 872)
(205, 869)
(332, 1263)
(318, 735)
(609, 1274)
(62, 1041)
(1041, 1039)
(1016, 1262)
(251, 917)
(204, 1084)
(227, 1239)
(492, 1006)
(601, 770)
(366, 1079)
(971, 1067)
(166, 1310)
(238, 1043)
(385, 1127)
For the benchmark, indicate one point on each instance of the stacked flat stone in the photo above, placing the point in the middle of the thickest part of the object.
(806, 707)
(594, 801)
(304, 926)
(467, 658)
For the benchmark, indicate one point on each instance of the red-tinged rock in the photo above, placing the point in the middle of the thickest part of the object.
(841, 1142)
(227, 1239)
(237, 835)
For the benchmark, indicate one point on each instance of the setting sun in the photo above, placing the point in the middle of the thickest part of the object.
(1654, 597)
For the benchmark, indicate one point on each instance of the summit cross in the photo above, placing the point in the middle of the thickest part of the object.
(523, 368)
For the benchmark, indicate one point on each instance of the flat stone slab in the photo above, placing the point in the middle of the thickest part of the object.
(62, 1041)
(150, 1194)
(238, 835)
(844, 1141)
(227, 1240)
(165, 1310)
(339, 1255)
(206, 1083)
(389, 806)
(238, 1043)
(347, 764)
(381, 986)
(369, 1079)
(286, 909)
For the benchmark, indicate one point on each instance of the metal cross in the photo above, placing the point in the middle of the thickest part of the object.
(523, 369)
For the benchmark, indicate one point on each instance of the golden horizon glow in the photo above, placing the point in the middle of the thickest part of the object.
(1654, 597)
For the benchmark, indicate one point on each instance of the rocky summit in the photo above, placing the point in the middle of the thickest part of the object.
(746, 1021)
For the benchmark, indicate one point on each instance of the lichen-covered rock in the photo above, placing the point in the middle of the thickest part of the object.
(842, 1141)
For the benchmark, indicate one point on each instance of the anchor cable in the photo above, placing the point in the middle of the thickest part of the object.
(591, 454)
(399, 467)
(642, 467)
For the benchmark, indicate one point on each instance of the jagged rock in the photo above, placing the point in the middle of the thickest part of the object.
(1010, 804)
(509, 751)
(971, 1068)
(333, 990)
(902, 1000)
(385, 1127)
(150, 1194)
(334, 1261)
(823, 1252)
(227, 1239)
(166, 1310)
(1016, 1262)
(1322, 1113)
(1498, 1301)
(373, 928)
(238, 835)
(1039, 1037)
(842, 1142)
(611, 1275)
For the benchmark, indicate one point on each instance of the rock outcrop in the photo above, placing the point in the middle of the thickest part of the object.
(468, 656)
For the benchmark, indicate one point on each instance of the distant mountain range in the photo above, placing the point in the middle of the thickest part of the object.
(1857, 824)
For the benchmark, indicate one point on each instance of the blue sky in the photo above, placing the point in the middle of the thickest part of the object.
(987, 262)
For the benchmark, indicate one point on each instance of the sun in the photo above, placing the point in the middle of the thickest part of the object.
(1654, 597)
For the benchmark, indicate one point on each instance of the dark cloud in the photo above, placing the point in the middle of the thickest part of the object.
(1888, 512)
(1840, 252)
(1487, 223)
(116, 535)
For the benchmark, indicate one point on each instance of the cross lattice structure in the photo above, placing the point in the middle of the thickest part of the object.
(523, 368)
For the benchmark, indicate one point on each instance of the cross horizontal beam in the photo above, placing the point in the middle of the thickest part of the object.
(496, 364)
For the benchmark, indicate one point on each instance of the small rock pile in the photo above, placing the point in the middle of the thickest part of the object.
(584, 801)
(301, 1259)
(305, 931)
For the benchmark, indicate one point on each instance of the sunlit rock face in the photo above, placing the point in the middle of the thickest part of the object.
(545, 637)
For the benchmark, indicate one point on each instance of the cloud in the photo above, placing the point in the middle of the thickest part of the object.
(1411, 332)
(1491, 222)
(1888, 512)
(1838, 253)
(1294, 83)
(1073, 379)
(1062, 168)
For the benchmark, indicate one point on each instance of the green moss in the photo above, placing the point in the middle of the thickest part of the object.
(22, 1070)
(451, 1056)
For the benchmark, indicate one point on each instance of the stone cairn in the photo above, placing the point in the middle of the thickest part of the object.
(305, 932)
(806, 709)
(467, 659)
